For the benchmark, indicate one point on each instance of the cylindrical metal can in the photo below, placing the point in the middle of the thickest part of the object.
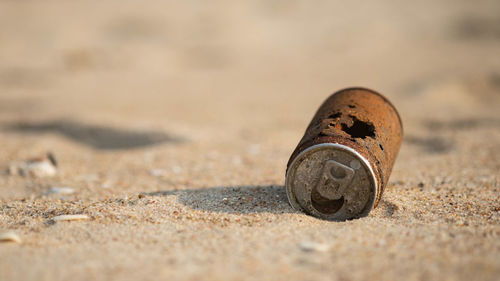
(340, 167)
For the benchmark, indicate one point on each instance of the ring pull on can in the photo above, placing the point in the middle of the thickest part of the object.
(341, 166)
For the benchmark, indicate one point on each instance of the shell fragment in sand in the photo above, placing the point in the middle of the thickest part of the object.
(70, 217)
(60, 190)
(10, 237)
(314, 247)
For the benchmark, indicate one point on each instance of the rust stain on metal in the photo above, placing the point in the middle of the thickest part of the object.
(362, 120)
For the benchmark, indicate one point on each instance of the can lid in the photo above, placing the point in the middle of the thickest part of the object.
(331, 181)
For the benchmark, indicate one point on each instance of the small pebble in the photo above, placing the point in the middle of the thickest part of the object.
(37, 167)
(40, 169)
(107, 184)
(70, 217)
(10, 237)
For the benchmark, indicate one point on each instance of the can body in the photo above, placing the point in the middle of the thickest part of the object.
(341, 166)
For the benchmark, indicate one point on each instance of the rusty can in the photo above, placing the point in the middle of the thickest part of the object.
(340, 168)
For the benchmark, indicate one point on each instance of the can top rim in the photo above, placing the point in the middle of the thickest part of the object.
(291, 171)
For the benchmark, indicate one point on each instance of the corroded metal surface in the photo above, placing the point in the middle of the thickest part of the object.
(331, 181)
(366, 128)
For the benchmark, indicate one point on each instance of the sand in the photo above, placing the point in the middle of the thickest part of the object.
(172, 122)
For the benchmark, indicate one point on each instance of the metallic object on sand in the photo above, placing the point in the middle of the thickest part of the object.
(341, 166)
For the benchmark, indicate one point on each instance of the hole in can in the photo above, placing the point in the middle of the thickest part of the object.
(359, 129)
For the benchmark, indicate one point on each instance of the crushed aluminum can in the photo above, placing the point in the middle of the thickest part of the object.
(340, 168)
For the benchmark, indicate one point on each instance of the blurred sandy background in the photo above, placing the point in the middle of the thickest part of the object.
(172, 122)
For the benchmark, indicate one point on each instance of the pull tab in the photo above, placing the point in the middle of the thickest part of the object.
(334, 180)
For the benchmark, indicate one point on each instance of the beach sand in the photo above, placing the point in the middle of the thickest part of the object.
(172, 122)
